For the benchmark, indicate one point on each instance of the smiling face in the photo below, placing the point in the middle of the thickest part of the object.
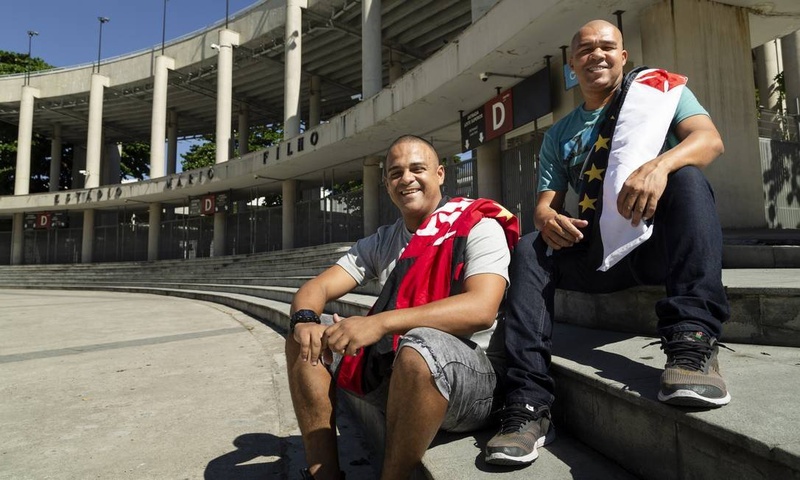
(413, 179)
(597, 60)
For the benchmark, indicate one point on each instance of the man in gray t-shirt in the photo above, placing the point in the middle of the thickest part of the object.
(441, 376)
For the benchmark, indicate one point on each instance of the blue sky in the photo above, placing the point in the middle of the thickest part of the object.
(68, 29)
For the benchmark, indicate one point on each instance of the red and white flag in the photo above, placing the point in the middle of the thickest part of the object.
(641, 129)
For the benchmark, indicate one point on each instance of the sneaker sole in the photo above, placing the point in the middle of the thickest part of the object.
(500, 458)
(689, 398)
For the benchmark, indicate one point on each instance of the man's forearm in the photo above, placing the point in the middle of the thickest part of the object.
(310, 296)
(462, 314)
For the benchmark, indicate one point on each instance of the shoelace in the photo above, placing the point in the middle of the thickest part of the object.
(685, 353)
(514, 418)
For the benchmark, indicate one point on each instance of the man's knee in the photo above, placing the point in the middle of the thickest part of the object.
(409, 362)
(689, 182)
(526, 247)
(291, 348)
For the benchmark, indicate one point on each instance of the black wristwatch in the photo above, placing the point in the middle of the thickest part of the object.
(302, 316)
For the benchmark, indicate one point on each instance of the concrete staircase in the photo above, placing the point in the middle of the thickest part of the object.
(609, 423)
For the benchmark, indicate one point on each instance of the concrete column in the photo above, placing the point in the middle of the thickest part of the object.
(314, 101)
(244, 130)
(289, 194)
(372, 190)
(87, 244)
(227, 40)
(371, 48)
(490, 170)
(154, 231)
(78, 164)
(790, 49)
(767, 67)
(111, 167)
(172, 142)
(94, 138)
(293, 68)
(158, 122)
(17, 238)
(395, 70)
(22, 173)
(220, 232)
(56, 149)
(710, 43)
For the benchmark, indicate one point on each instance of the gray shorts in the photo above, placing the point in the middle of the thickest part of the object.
(462, 372)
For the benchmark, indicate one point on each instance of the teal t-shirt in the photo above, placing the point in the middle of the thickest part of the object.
(567, 143)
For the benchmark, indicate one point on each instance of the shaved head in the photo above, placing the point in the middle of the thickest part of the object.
(594, 25)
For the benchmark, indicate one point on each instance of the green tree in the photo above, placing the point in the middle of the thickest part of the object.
(135, 161)
(10, 63)
(204, 154)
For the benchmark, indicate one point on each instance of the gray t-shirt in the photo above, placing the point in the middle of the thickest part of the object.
(374, 257)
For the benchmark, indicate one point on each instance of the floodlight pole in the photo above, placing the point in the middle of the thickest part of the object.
(102, 20)
(31, 34)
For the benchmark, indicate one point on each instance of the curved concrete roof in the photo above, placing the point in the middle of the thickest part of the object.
(442, 50)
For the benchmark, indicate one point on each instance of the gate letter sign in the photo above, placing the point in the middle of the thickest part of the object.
(208, 205)
(43, 220)
(499, 115)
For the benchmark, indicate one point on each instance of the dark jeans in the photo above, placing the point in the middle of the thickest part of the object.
(684, 254)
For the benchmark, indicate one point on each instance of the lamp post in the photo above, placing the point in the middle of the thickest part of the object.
(31, 34)
(102, 20)
(227, 4)
(164, 27)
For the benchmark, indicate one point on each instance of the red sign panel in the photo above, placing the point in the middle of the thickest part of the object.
(499, 115)
(43, 220)
(208, 205)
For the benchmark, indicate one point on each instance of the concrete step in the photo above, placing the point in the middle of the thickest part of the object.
(764, 302)
(326, 254)
(761, 256)
(606, 396)
(761, 248)
(765, 307)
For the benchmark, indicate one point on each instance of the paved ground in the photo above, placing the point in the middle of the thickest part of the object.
(128, 386)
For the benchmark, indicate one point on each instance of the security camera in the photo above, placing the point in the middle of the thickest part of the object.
(215, 46)
(483, 76)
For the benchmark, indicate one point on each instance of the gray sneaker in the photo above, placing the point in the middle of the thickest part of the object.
(523, 430)
(691, 376)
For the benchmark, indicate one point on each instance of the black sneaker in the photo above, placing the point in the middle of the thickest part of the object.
(691, 376)
(523, 430)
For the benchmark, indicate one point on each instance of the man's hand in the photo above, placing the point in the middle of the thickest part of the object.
(309, 336)
(348, 335)
(561, 231)
(640, 193)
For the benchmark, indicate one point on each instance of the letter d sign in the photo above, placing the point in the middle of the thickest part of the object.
(208, 205)
(498, 115)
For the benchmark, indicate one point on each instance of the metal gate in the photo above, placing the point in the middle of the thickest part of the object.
(519, 182)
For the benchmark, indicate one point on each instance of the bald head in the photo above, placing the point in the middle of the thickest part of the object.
(595, 26)
(597, 58)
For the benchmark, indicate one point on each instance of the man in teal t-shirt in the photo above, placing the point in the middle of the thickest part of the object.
(569, 141)
(684, 253)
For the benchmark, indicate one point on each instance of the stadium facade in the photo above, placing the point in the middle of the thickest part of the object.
(344, 78)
